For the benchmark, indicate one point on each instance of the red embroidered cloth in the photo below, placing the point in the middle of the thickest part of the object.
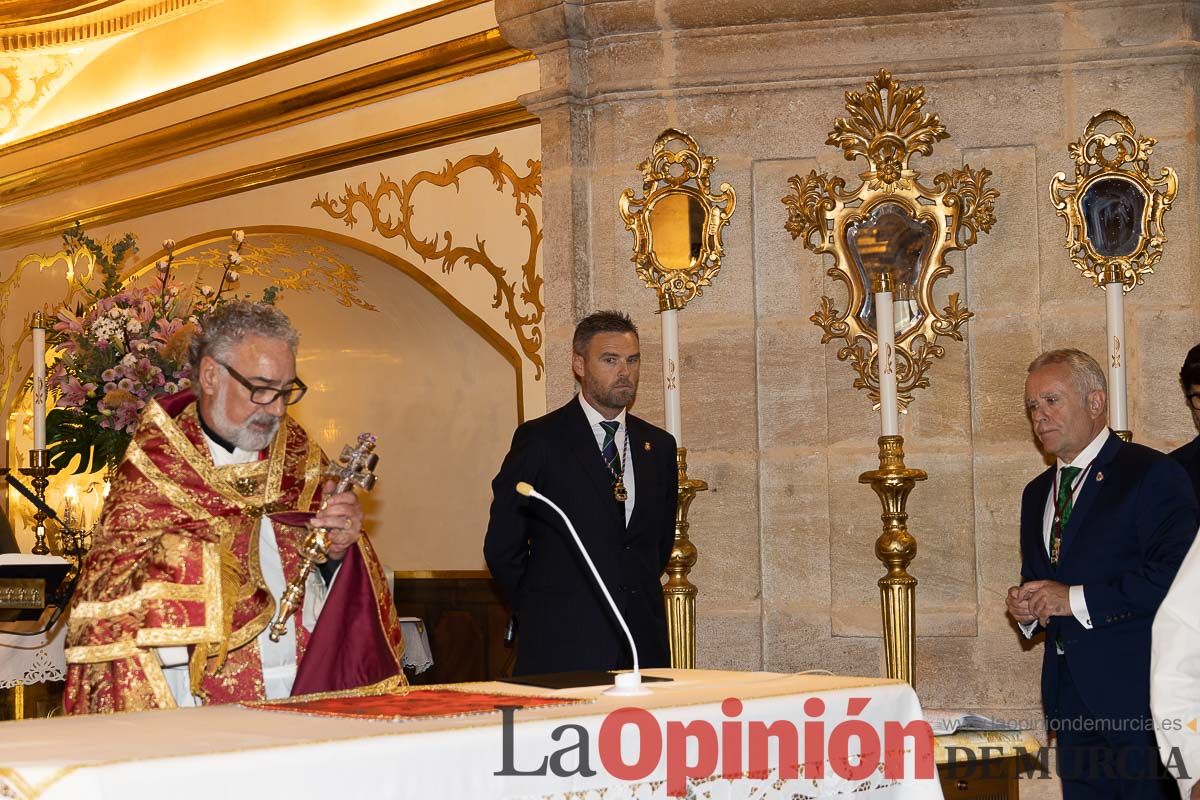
(414, 704)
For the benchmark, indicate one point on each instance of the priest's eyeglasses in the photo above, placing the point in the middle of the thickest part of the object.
(265, 395)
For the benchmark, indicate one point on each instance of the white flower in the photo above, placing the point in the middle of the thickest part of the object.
(233, 276)
(129, 360)
(234, 258)
(133, 326)
(206, 291)
(115, 313)
(239, 237)
(162, 266)
(169, 245)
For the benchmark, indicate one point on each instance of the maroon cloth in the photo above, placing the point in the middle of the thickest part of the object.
(350, 645)
(415, 704)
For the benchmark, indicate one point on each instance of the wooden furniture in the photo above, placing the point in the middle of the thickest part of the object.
(985, 765)
(466, 618)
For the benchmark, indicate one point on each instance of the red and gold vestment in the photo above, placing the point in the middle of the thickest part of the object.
(174, 562)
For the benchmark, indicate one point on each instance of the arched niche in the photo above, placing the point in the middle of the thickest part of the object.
(384, 349)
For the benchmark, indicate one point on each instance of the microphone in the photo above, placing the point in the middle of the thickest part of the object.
(627, 684)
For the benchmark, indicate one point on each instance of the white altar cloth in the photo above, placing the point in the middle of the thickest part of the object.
(235, 752)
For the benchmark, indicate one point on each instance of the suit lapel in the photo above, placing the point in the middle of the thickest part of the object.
(1036, 519)
(1094, 482)
(587, 453)
(643, 470)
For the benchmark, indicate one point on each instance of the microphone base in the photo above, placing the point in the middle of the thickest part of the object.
(627, 684)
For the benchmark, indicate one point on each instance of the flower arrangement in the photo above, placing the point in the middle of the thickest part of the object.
(121, 348)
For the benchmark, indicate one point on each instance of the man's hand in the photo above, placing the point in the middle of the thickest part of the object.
(1048, 599)
(342, 516)
(1018, 605)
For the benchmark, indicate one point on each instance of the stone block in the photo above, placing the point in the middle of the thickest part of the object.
(725, 529)
(792, 407)
(795, 528)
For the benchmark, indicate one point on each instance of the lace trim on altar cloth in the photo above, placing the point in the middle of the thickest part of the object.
(39, 669)
(769, 787)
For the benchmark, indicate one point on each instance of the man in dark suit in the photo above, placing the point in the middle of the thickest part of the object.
(1102, 534)
(615, 477)
(1189, 380)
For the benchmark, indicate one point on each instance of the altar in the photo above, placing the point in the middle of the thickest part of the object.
(235, 751)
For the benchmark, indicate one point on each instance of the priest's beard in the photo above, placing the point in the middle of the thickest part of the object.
(255, 434)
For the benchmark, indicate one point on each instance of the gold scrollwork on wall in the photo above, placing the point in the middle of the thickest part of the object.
(524, 307)
(677, 203)
(270, 257)
(1114, 208)
(890, 229)
(24, 83)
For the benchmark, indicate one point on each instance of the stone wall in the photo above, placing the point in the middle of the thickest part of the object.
(787, 573)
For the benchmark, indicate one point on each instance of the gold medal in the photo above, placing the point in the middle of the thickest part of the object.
(619, 491)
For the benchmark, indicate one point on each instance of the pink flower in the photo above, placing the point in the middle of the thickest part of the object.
(74, 394)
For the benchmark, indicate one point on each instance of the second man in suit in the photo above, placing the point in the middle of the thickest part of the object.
(1102, 535)
(615, 476)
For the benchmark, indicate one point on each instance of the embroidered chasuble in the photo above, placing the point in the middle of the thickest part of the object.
(175, 563)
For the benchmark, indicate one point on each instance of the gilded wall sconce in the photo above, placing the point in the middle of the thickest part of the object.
(889, 237)
(677, 251)
(1114, 211)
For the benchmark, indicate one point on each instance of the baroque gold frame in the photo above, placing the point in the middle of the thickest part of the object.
(886, 127)
(1130, 162)
(677, 166)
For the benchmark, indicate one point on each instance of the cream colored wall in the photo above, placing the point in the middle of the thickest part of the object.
(787, 575)
(469, 373)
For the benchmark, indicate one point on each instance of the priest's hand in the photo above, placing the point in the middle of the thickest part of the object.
(342, 516)
(1048, 599)
(1018, 605)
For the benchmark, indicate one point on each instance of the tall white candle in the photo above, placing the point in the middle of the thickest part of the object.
(670, 354)
(885, 329)
(39, 382)
(1118, 404)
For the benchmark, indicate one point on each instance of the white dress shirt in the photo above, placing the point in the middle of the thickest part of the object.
(278, 658)
(1084, 461)
(594, 419)
(1175, 671)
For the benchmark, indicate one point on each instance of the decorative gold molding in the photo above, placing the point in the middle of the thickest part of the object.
(442, 575)
(526, 319)
(83, 267)
(64, 23)
(27, 74)
(260, 67)
(449, 61)
(1129, 166)
(495, 119)
(886, 127)
(677, 171)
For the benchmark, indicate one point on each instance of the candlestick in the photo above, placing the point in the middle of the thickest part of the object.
(39, 470)
(38, 329)
(1118, 404)
(885, 332)
(670, 354)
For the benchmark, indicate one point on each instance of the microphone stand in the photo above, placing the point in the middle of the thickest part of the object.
(626, 684)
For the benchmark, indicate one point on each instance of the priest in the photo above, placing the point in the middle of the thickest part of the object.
(177, 592)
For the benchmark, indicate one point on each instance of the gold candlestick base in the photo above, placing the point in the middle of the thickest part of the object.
(679, 593)
(39, 470)
(896, 548)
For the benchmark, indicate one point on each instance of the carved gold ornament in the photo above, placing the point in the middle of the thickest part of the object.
(524, 305)
(891, 229)
(677, 223)
(25, 83)
(1114, 209)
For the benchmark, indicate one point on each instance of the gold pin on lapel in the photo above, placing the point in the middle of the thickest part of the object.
(647, 446)
(1099, 477)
